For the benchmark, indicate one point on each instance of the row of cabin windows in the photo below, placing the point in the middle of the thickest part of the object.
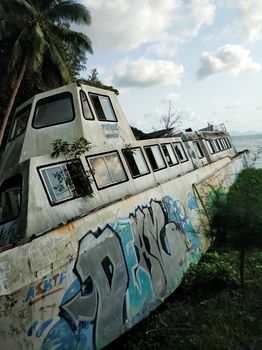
(59, 109)
(218, 145)
(107, 170)
(64, 181)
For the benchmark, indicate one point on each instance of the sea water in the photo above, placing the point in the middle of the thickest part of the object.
(250, 142)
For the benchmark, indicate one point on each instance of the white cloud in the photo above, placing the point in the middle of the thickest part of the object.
(124, 25)
(232, 58)
(144, 72)
(248, 17)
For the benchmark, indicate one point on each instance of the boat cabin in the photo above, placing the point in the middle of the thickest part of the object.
(39, 193)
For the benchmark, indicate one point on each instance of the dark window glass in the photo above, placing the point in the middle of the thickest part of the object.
(65, 181)
(199, 150)
(180, 152)
(52, 110)
(155, 157)
(136, 162)
(103, 107)
(20, 121)
(215, 145)
(87, 113)
(169, 154)
(10, 198)
(218, 145)
(211, 146)
(228, 142)
(223, 142)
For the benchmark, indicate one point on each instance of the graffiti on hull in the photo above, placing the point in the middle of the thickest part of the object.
(123, 272)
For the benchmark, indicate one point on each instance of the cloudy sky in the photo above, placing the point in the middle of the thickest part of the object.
(203, 55)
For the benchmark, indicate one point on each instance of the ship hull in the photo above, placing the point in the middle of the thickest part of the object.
(83, 284)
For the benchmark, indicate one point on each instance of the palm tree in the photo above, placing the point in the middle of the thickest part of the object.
(41, 34)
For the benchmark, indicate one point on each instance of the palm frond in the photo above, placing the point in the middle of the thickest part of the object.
(78, 40)
(59, 60)
(37, 50)
(18, 8)
(70, 11)
(18, 48)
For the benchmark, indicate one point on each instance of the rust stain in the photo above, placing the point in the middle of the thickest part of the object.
(66, 228)
(32, 302)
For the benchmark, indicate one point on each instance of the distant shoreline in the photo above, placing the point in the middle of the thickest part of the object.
(245, 135)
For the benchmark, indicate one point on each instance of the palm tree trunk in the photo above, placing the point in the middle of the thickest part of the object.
(12, 98)
(241, 267)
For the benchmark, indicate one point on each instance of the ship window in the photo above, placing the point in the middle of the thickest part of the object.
(228, 142)
(87, 113)
(155, 157)
(223, 143)
(20, 121)
(218, 145)
(180, 152)
(103, 107)
(211, 146)
(169, 154)
(199, 150)
(107, 169)
(136, 161)
(215, 146)
(65, 181)
(10, 198)
(52, 110)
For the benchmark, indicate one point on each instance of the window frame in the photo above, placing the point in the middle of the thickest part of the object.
(228, 142)
(199, 149)
(169, 143)
(210, 146)
(14, 120)
(19, 175)
(89, 105)
(218, 145)
(50, 97)
(222, 140)
(186, 157)
(129, 168)
(215, 145)
(109, 99)
(93, 174)
(159, 148)
(50, 165)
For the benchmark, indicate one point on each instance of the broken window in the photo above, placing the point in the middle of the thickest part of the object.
(136, 161)
(199, 150)
(87, 113)
(65, 181)
(169, 154)
(20, 121)
(155, 157)
(10, 198)
(103, 107)
(180, 152)
(211, 146)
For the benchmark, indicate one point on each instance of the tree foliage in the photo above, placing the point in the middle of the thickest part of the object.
(76, 176)
(93, 80)
(38, 45)
(236, 219)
